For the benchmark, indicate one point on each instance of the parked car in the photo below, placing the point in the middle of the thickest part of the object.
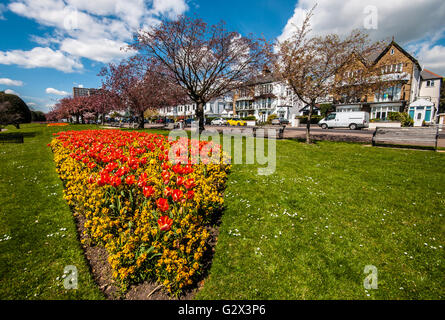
(218, 122)
(275, 121)
(236, 122)
(280, 121)
(352, 120)
(188, 122)
(284, 121)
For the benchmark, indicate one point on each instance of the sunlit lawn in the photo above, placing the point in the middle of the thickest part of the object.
(330, 209)
(305, 232)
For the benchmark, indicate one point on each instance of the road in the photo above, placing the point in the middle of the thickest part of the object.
(317, 133)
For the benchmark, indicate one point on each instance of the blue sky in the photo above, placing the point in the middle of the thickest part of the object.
(49, 46)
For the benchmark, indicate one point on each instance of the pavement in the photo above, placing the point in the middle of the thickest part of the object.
(346, 135)
(363, 136)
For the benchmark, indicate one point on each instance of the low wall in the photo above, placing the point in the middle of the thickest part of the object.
(373, 125)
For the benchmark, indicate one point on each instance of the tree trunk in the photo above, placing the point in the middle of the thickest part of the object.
(77, 118)
(308, 125)
(141, 120)
(103, 118)
(200, 116)
(83, 119)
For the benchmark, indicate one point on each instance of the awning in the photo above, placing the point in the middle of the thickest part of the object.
(422, 103)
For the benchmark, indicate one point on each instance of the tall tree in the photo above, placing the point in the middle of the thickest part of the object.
(14, 110)
(310, 64)
(102, 102)
(207, 61)
(138, 84)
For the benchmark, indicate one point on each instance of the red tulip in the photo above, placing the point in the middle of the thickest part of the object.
(142, 181)
(168, 191)
(190, 194)
(130, 180)
(162, 204)
(148, 191)
(177, 195)
(180, 181)
(165, 223)
(116, 181)
(165, 175)
(190, 183)
(122, 171)
(165, 166)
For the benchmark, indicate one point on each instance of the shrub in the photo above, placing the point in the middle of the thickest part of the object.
(270, 118)
(38, 116)
(402, 117)
(148, 213)
(249, 118)
(314, 119)
(14, 110)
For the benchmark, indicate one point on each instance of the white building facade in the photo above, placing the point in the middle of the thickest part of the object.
(265, 96)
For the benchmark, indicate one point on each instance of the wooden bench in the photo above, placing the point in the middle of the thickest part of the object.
(170, 126)
(11, 138)
(280, 134)
(427, 136)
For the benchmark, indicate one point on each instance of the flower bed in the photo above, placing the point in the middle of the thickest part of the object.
(62, 124)
(148, 210)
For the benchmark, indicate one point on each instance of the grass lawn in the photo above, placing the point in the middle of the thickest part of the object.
(34, 215)
(330, 209)
(305, 232)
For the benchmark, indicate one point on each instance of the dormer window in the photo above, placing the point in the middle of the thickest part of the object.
(392, 51)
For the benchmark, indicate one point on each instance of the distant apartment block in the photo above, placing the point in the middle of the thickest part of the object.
(83, 92)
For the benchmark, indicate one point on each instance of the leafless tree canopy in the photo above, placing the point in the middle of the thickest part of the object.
(310, 64)
(207, 61)
(140, 84)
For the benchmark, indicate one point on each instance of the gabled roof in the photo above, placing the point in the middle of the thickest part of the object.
(393, 43)
(262, 79)
(428, 75)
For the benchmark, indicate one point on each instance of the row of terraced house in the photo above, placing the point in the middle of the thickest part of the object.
(416, 91)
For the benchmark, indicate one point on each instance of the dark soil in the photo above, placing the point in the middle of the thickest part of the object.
(97, 258)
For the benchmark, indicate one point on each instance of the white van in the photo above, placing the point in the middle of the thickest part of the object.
(352, 120)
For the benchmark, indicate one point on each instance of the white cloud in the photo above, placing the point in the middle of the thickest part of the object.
(10, 82)
(416, 25)
(102, 50)
(94, 29)
(56, 92)
(432, 57)
(169, 8)
(41, 57)
(407, 21)
(9, 91)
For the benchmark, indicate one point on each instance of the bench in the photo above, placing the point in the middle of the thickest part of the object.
(170, 126)
(280, 134)
(11, 138)
(406, 136)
